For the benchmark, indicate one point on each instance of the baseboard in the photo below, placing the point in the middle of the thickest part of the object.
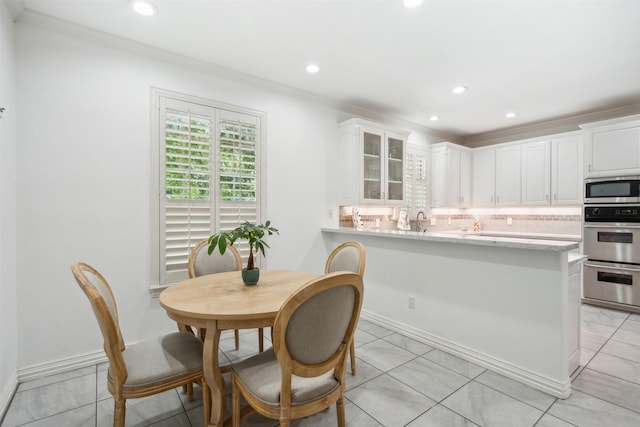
(61, 365)
(7, 394)
(537, 381)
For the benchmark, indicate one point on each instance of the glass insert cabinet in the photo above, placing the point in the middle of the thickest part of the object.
(371, 163)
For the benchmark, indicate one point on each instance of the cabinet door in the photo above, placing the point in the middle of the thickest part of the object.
(465, 178)
(394, 168)
(536, 173)
(483, 173)
(566, 171)
(372, 164)
(508, 176)
(453, 195)
(613, 152)
(439, 177)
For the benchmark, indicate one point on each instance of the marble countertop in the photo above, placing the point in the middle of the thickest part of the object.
(464, 237)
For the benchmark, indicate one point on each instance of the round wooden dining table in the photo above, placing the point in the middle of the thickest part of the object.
(221, 301)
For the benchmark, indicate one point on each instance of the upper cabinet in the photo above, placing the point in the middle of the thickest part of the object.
(566, 170)
(552, 171)
(508, 175)
(612, 147)
(450, 175)
(371, 163)
(483, 183)
(496, 176)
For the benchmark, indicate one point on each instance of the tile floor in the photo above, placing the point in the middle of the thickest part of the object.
(400, 382)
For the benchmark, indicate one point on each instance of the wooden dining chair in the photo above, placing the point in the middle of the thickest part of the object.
(147, 367)
(349, 256)
(304, 372)
(200, 263)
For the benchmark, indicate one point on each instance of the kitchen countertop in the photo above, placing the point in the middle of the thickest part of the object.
(494, 239)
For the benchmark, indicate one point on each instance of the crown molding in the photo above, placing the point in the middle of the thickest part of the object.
(71, 29)
(548, 127)
(16, 8)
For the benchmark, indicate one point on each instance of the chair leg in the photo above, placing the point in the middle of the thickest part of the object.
(342, 420)
(190, 392)
(237, 337)
(119, 410)
(260, 340)
(352, 355)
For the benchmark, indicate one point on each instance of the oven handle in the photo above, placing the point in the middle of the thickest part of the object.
(603, 266)
(611, 225)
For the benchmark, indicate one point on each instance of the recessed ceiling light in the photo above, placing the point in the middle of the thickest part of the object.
(510, 115)
(143, 7)
(312, 68)
(459, 89)
(412, 3)
(434, 118)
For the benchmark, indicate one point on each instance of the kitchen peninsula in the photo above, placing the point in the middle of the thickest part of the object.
(509, 304)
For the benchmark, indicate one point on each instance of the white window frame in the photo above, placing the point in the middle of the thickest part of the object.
(157, 172)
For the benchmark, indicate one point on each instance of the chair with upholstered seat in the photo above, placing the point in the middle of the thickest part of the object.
(201, 263)
(147, 367)
(304, 372)
(348, 256)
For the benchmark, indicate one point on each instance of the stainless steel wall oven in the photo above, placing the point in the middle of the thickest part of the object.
(612, 245)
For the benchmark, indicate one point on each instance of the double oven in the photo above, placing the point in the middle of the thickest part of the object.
(611, 241)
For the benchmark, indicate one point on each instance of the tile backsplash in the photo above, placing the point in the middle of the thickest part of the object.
(542, 220)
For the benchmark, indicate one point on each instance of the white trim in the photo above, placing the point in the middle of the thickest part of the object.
(539, 382)
(15, 7)
(7, 394)
(61, 365)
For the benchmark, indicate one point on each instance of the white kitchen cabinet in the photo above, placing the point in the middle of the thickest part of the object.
(552, 171)
(612, 147)
(496, 176)
(536, 173)
(450, 175)
(508, 175)
(371, 163)
(483, 177)
(566, 170)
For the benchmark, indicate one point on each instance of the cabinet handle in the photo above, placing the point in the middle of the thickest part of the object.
(497, 199)
(555, 197)
(589, 168)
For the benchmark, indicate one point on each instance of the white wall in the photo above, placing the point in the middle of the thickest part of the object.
(8, 304)
(83, 166)
(83, 182)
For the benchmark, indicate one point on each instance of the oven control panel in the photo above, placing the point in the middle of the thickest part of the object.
(615, 213)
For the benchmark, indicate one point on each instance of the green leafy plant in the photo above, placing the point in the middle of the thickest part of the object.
(252, 233)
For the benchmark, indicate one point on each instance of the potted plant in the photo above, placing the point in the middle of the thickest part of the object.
(254, 234)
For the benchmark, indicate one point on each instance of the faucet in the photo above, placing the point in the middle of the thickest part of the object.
(418, 227)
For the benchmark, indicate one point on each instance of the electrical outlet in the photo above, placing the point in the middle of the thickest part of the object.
(509, 221)
(412, 301)
(449, 221)
(432, 221)
(330, 213)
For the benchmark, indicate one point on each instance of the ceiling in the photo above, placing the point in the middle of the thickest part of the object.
(542, 59)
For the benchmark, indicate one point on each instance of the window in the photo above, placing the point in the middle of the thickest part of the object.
(417, 178)
(208, 176)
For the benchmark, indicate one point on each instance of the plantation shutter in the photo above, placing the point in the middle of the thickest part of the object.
(417, 182)
(209, 178)
(239, 171)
